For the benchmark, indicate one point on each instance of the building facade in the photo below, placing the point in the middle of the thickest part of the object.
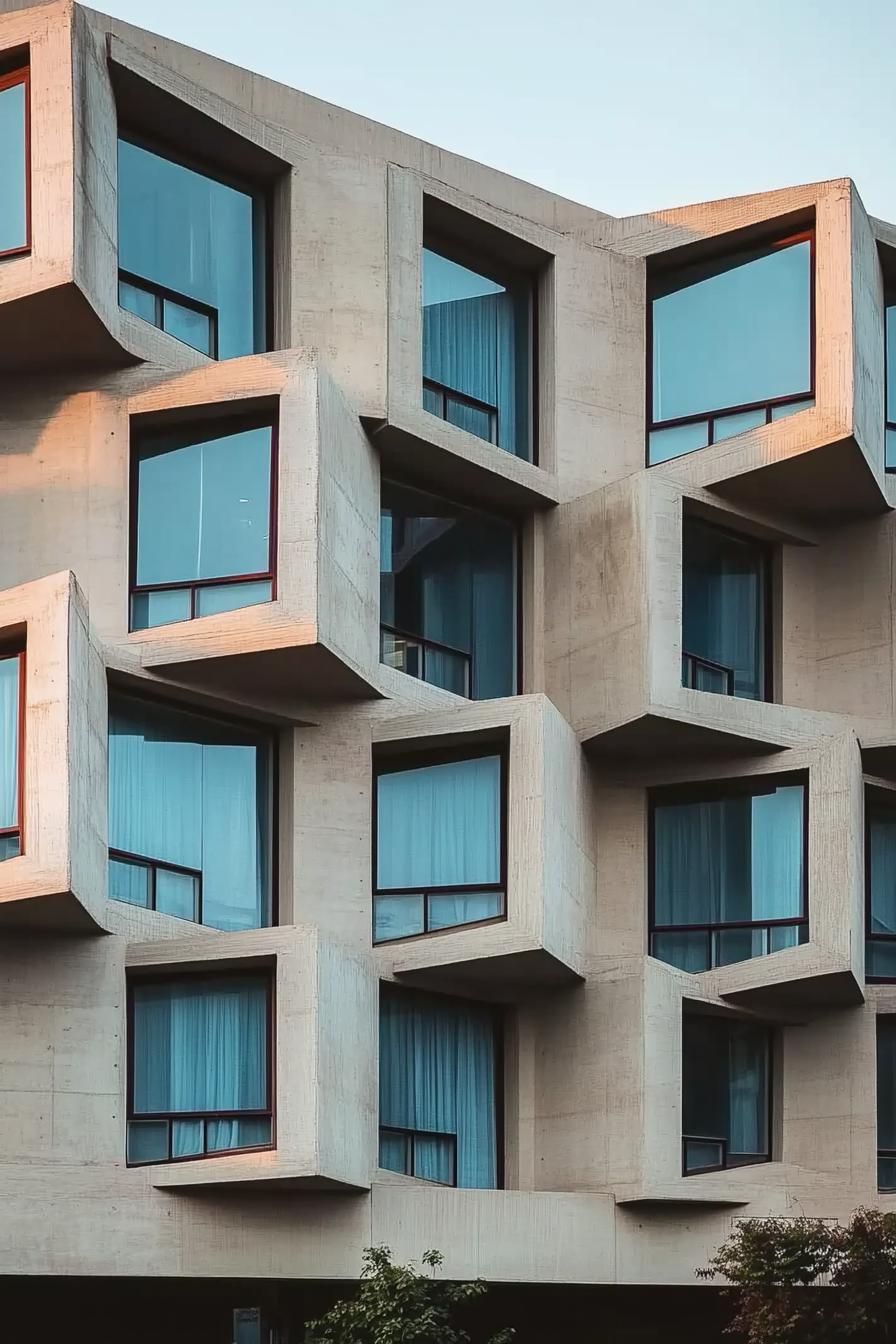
(447, 712)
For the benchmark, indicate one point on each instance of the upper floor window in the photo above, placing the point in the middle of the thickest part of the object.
(203, 503)
(190, 805)
(890, 348)
(191, 253)
(726, 1077)
(12, 692)
(448, 594)
(728, 871)
(15, 168)
(440, 833)
(199, 1066)
(725, 612)
(731, 345)
(439, 1088)
(478, 321)
(880, 885)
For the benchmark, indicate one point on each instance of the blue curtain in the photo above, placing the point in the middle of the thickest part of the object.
(9, 742)
(882, 859)
(748, 1089)
(203, 1047)
(725, 1070)
(723, 613)
(437, 1073)
(14, 168)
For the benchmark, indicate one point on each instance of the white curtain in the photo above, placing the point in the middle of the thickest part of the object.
(440, 825)
(9, 742)
(437, 1073)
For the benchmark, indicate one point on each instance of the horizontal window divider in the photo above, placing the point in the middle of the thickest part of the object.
(144, 862)
(467, 888)
(464, 397)
(173, 295)
(785, 922)
(260, 1113)
(423, 1133)
(425, 640)
(184, 585)
(723, 412)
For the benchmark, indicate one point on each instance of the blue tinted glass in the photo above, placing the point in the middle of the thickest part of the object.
(148, 1141)
(792, 408)
(189, 326)
(891, 363)
(130, 882)
(138, 301)
(732, 333)
(890, 458)
(726, 426)
(203, 506)
(162, 608)
(231, 596)
(723, 608)
(13, 168)
(196, 237)
(397, 917)
(664, 444)
(9, 742)
(9, 847)
(882, 864)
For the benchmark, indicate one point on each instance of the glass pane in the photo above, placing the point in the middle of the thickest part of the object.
(448, 574)
(194, 792)
(203, 504)
(687, 951)
(732, 332)
(186, 1138)
(726, 426)
(140, 302)
(200, 1045)
(152, 609)
(434, 1158)
(232, 596)
(776, 858)
(394, 1152)
(177, 894)
(434, 401)
(248, 1326)
(250, 1133)
(9, 847)
(476, 341)
(664, 444)
(397, 917)
(791, 408)
(880, 959)
(440, 825)
(446, 911)
(449, 671)
(886, 1081)
(14, 168)
(10, 708)
(148, 1141)
(882, 866)
(197, 237)
(890, 323)
(891, 449)
(698, 1154)
(748, 1048)
(781, 936)
(704, 1077)
(886, 1173)
(403, 654)
(194, 329)
(731, 945)
(130, 882)
(724, 606)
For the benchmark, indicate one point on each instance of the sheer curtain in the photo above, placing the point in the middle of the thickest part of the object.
(748, 1089)
(777, 853)
(437, 1073)
(203, 1047)
(882, 859)
(9, 742)
(723, 606)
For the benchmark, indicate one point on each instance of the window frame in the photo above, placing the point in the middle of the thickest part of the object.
(18, 652)
(488, 264)
(769, 552)
(774, 242)
(385, 764)
(117, 693)
(499, 1027)
(712, 791)
(218, 427)
(9, 79)
(770, 1081)
(263, 250)
(883, 800)
(223, 972)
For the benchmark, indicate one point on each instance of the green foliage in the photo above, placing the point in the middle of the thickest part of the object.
(398, 1304)
(802, 1281)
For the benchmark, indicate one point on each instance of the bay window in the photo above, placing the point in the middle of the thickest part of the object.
(203, 535)
(440, 837)
(200, 1072)
(439, 1090)
(12, 693)
(15, 167)
(727, 871)
(731, 345)
(190, 814)
(725, 612)
(726, 1077)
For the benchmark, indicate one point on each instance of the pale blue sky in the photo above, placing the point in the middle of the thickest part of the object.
(625, 105)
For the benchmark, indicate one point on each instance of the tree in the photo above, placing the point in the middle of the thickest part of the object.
(805, 1281)
(398, 1304)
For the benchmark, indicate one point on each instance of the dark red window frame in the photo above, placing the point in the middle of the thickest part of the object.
(21, 75)
(19, 828)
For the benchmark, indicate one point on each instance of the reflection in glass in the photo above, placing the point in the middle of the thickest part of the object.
(14, 166)
(725, 1093)
(724, 610)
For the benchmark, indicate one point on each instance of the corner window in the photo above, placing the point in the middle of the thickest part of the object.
(203, 507)
(731, 345)
(439, 1089)
(728, 871)
(190, 805)
(890, 349)
(191, 253)
(880, 885)
(440, 857)
(15, 168)
(478, 319)
(199, 1078)
(12, 695)
(726, 1091)
(448, 594)
(725, 612)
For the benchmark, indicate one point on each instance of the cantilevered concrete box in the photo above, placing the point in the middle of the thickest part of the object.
(325, 1053)
(550, 857)
(319, 635)
(58, 881)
